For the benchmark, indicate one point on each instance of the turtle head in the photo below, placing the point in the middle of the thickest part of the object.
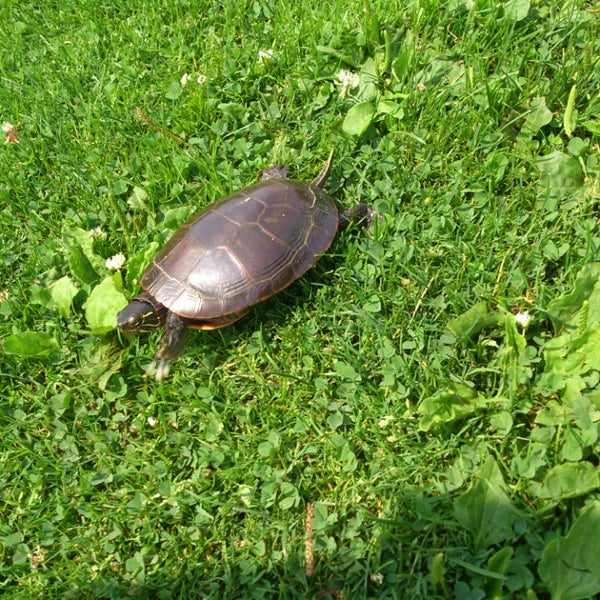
(143, 313)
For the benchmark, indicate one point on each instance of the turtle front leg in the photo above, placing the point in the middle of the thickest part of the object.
(171, 347)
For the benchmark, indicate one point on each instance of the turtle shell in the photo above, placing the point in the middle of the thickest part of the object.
(242, 250)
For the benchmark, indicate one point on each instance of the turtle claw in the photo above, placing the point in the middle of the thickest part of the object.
(159, 368)
(170, 347)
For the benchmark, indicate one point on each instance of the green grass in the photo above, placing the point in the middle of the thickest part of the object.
(442, 448)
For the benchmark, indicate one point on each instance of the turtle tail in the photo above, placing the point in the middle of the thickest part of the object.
(320, 179)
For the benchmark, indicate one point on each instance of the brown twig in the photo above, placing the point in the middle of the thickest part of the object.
(309, 541)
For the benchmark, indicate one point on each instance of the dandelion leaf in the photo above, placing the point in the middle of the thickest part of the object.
(564, 310)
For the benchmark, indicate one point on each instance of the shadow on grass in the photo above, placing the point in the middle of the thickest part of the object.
(384, 560)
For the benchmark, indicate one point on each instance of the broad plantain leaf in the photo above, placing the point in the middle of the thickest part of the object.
(449, 405)
(30, 344)
(102, 306)
(560, 177)
(570, 565)
(358, 118)
(485, 509)
(474, 320)
(62, 292)
(568, 480)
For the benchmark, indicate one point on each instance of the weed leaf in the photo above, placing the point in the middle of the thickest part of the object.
(102, 306)
(30, 344)
(102, 364)
(570, 565)
(498, 563)
(358, 118)
(516, 10)
(538, 116)
(367, 88)
(137, 264)
(449, 405)
(568, 480)
(173, 91)
(485, 509)
(563, 310)
(62, 292)
(561, 176)
(472, 321)
(83, 262)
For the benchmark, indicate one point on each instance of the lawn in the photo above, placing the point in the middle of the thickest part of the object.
(418, 416)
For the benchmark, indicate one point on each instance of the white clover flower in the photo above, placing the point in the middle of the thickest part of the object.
(523, 318)
(201, 79)
(97, 233)
(3, 295)
(265, 56)
(10, 130)
(152, 422)
(348, 81)
(385, 421)
(185, 79)
(114, 263)
(376, 578)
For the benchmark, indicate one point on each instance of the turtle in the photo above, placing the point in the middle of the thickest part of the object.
(237, 252)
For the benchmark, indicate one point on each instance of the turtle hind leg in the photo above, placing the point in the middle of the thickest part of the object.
(362, 215)
(171, 347)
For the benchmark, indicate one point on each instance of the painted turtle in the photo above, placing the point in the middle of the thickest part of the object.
(232, 255)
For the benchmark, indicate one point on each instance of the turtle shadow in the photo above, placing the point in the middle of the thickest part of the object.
(215, 347)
